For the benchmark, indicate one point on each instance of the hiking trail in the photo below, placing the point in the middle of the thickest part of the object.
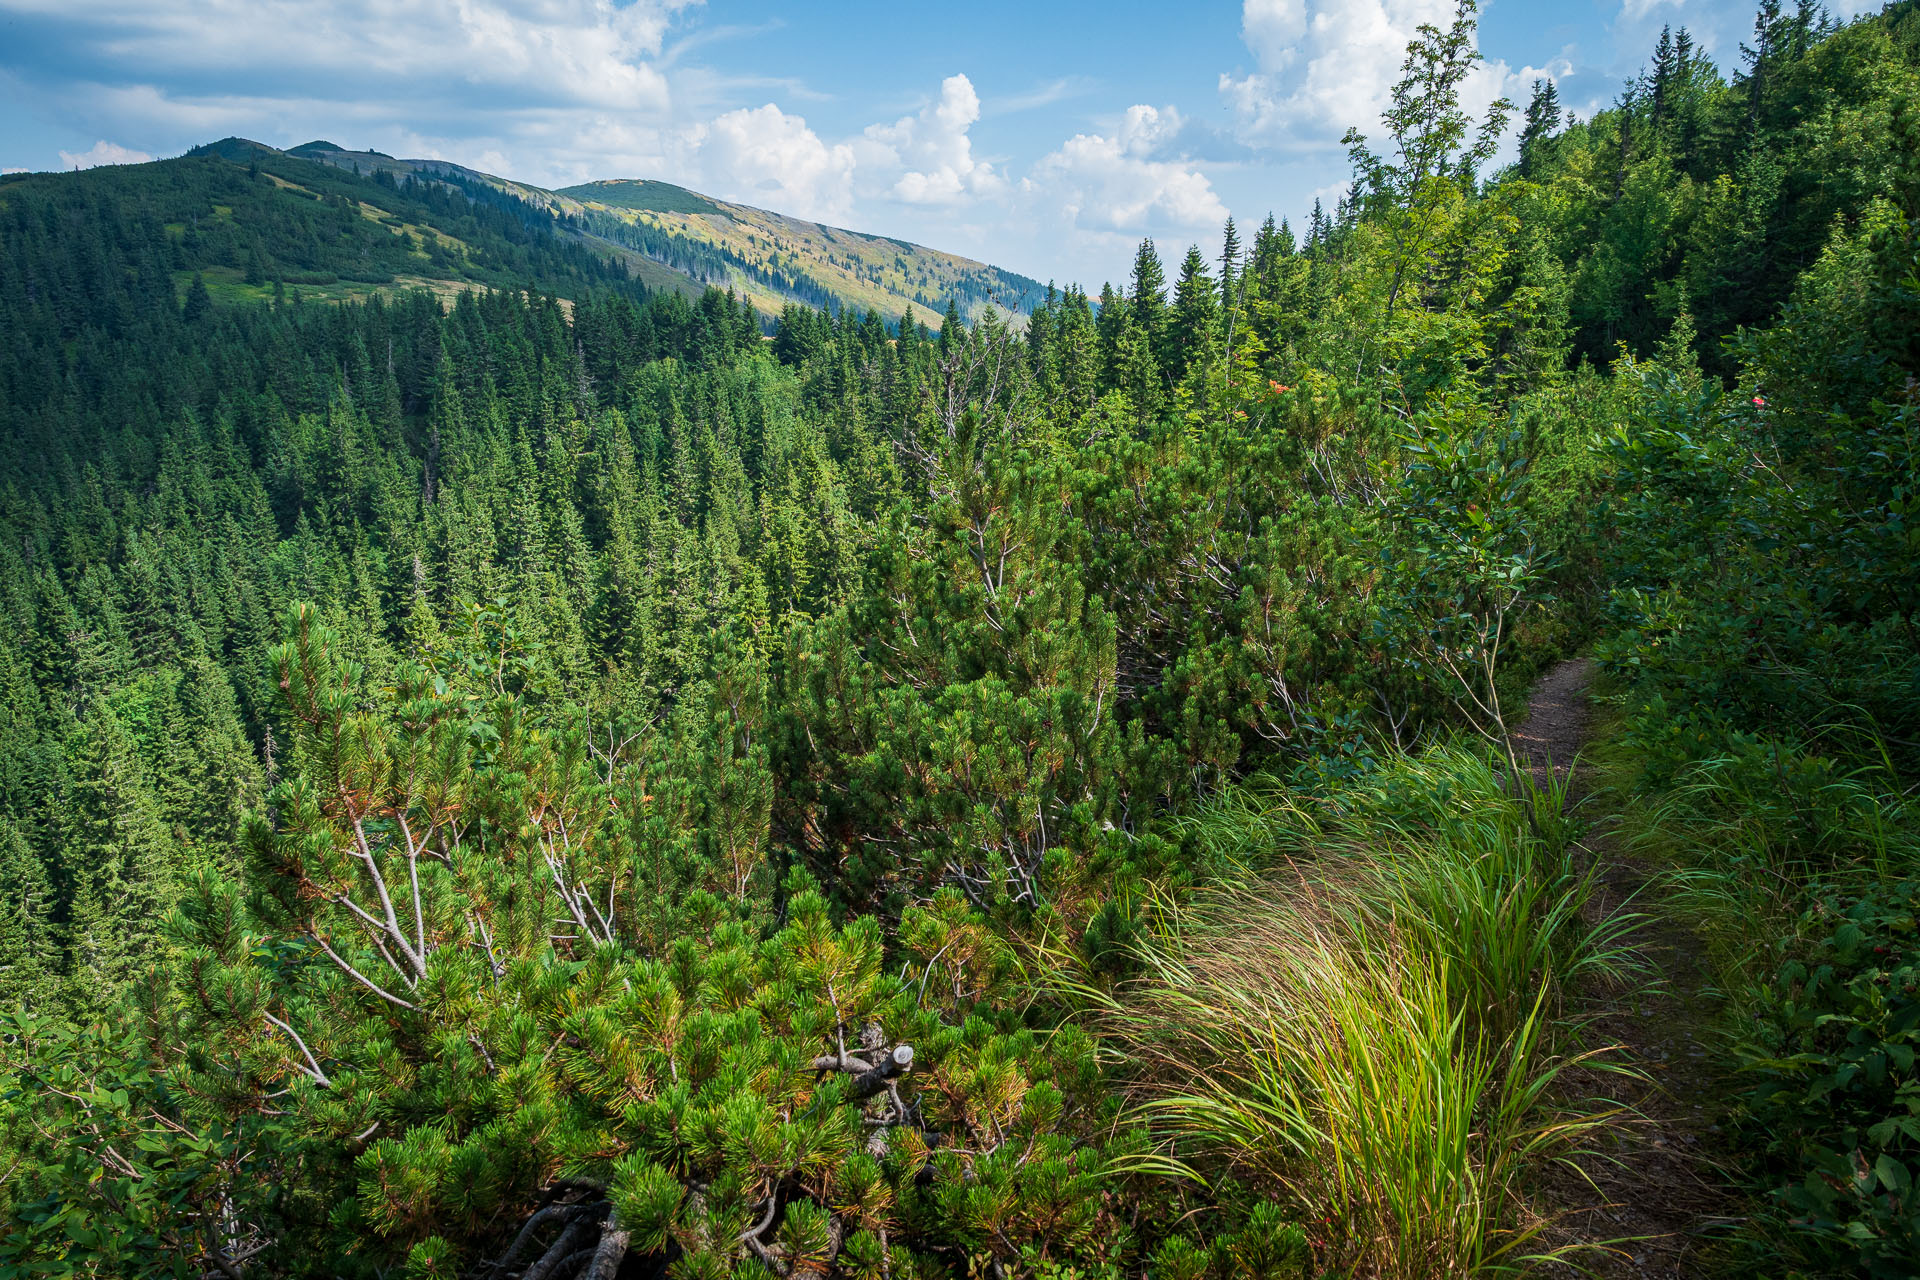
(1661, 1196)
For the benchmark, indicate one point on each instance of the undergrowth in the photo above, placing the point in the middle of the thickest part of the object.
(1798, 865)
(1369, 1015)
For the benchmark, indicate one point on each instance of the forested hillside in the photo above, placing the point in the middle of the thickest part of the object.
(508, 772)
(250, 222)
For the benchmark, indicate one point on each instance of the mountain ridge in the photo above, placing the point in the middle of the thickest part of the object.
(671, 237)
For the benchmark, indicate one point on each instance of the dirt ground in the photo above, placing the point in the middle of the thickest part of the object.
(1657, 1196)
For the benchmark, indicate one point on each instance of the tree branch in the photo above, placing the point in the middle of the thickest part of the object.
(314, 1072)
(362, 978)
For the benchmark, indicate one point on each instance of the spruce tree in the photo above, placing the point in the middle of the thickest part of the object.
(197, 303)
(952, 329)
(1230, 264)
(1147, 304)
(116, 861)
(1196, 312)
(1661, 80)
(1542, 123)
(28, 961)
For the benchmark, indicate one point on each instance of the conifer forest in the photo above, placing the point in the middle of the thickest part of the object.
(512, 771)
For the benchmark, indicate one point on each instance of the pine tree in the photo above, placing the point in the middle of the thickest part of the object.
(1770, 36)
(197, 304)
(1147, 304)
(1196, 313)
(27, 956)
(1230, 265)
(116, 861)
(1686, 110)
(1542, 123)
(952, 329)
(1661, 80)
(1134, 370)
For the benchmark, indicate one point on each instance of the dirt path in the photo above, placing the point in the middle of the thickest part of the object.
(1660, 1194)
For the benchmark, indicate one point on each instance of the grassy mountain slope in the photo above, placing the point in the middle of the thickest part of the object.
(800, 259)
(526, 201)
(672, 238)
(249, 220)
(337, 225)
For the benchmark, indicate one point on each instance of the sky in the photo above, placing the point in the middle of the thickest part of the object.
(1045, 136)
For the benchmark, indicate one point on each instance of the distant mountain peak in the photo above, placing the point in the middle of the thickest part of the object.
(319, 149)
(645, 194)
(759, 251)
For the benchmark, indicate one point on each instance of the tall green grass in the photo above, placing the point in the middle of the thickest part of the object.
(1750, 827)
(1372, 1016)
(1797, 862)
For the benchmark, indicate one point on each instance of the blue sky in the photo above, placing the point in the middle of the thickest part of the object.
(1047, 136)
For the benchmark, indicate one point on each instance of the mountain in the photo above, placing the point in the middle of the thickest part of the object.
(806, 261)
(251, 221)
(669, 238)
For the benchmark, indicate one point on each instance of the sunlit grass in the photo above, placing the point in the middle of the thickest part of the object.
(1372, 1019)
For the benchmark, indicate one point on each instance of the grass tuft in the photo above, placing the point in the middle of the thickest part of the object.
(1371, 1018)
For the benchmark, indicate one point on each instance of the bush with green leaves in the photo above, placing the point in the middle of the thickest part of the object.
(1834, 1095)
(113, 1168)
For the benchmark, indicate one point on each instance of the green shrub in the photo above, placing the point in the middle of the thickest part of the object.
(1835, 1098)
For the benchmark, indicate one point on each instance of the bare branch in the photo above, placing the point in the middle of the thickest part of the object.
(312, 1070)
(362, 978)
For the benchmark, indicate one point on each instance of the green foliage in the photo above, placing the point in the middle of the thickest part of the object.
(110, 1172)
(1761, 634)
(1834, 1096)
(1370, 1025)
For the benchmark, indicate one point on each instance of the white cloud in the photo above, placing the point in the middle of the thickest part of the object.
(1123, 182)
(1325, 66)
(1272, 29)
(930, 152)
(768, 158)
(1347, 54)
(14, 169)
(550, 91)
(591, 51)
(102, 152)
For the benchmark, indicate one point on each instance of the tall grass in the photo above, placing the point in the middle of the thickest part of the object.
(1796, 860)
(1750, 828)
(1370, 1020)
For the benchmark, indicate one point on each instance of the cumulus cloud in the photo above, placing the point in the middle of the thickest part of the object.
(1272, 30)
(928, 158)
(102, 152)
(1321, 71)
(767, 157)
(1324, 66)
(558, 90)
(1129, 180)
